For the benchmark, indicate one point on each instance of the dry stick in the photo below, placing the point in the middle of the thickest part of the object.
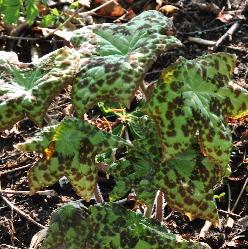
(216, 44)
(98, 195)
(230, 221)
(228, 34)
(16, 192)
(229, 213)
(8, 246)
(240, 194)
(127, 138)
(229, 197)
(201, 41)
(13, 170)
(205, 229)
(160, 206)
(19, 202)
(12, 206)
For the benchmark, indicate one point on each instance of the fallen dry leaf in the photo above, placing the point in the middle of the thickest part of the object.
(169, 9)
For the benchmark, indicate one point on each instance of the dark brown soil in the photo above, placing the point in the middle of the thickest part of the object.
(16, 231)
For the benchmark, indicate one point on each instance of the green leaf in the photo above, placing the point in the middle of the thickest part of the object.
(193, 96)
(69, 149)
(139, 164)
(31, 7)
(187, 180)
(115, 58)
(68, 227)
(48, 20)
(29, 91)
(109, 226)
(12, 10)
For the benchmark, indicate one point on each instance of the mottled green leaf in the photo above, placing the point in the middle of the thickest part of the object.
(115, 58)
(187, 180)
(68, 227)
(29, 91)
(11, 10)
(69, 148)
(109, 226)
(139, 164)
(31, 8)
(193, 96)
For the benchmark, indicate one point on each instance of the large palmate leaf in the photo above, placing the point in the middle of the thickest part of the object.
(30, 90)
(115, 58)
(187, 180)
(69, 149)
(109, 226)
(194, 96)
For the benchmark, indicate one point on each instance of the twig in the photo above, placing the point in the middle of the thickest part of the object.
(13, 170)
(127, 138)
(228, 34)
(16, 192)
(229, 213)
(19, 38)
(205, 229)
(205, 30)
(81, 15)
(19, 202)
(7, 246)
(239, 196)
(229, 197)
(98, 195)
(160, 206)
(37, 238)
(122, 201)
(238, 49)
(168, 216)
(230, 221)
(201, 41)
(11, 205)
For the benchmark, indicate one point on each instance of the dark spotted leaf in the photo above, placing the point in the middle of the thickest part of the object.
(29, 91)
(69, 149)
(109, 226)
(195, 96)
(115, 58)
(187, 180)
(68, 227)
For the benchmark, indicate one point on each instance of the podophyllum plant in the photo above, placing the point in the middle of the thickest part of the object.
(181, 142)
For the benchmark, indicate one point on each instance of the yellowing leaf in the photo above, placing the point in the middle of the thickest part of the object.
(69, 149)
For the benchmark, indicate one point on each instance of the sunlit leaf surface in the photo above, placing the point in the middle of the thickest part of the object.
(195, 97)
(28, 91)
(69, 149)
(109, 226)
(115, 58)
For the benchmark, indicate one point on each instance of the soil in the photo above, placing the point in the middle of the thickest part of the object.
(17, 231)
